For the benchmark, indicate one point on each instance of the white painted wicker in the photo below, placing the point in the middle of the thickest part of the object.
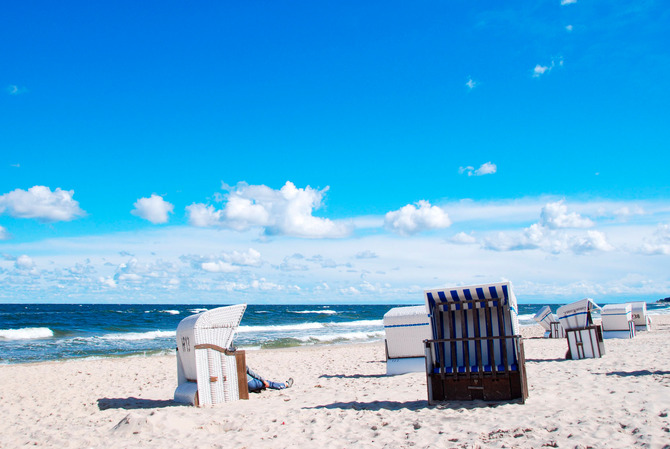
(201, 339)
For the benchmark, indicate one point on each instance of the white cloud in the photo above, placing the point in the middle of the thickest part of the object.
(486, 168)
(569, 28)
(24, 262)
(287, 211)
(540, 70)
(568, 2)
(411, 219)
(555, 215)
(592, 241)
(41, 203)
(219, 267)
(463, 239)
(155, 209)
(551, 234)
(471, 84)
(4, 235)
(367, 254)
(13, 89)
(659, 243)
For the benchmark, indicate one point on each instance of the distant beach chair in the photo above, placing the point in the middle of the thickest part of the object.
(585, 339)
(406, 328)
(617, 321)
(640, 318)
(550, 323)
(476, 351)
(208, 371)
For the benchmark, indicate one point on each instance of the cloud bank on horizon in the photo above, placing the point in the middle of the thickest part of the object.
(262, 244)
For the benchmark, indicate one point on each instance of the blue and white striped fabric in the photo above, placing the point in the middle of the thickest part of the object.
(473, 302)
(576, 315)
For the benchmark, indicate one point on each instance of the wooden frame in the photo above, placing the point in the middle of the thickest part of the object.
(497, 371)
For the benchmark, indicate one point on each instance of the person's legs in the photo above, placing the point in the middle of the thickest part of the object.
(255, 385)
(276, 385)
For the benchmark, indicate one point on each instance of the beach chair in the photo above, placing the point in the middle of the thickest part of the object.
(640, 318)
(550, 323)
(208, 371)
(585, 339)
(406, 328)
(617, 321)
(476, 351)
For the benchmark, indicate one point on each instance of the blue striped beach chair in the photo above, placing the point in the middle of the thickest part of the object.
(476, 351)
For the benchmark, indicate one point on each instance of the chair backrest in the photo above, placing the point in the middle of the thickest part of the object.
(406, 328)
(615, 317)
(216, 327)
(639, 313)
(465, 315)
(544, 318)
(576, 315)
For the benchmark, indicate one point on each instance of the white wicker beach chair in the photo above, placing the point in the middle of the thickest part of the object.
(406, 329)
(640, 318)
(476, 351)
(208, 371)
(617, 321)
(550, 323)
(585, 340)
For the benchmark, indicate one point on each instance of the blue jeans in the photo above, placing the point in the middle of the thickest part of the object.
(257, 385)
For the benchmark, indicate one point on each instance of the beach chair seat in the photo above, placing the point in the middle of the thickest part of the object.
(550, 323)
(617, 321)
(208, 371)
(585, 339)
(639, 315)
(406, 328)
(475, 351)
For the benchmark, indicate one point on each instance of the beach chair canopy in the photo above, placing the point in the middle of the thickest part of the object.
(406, 328)
(639, 315)
(203, 364)
(577, 315)
(475, 344)
(544, 318)
(616, 317)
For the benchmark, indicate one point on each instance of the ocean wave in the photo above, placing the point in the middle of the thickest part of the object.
(26, 333)
(348, 336)
(280, 327)
(358, 323)
(171, 312)
(324, 312)
(198, 310)
(133, 336)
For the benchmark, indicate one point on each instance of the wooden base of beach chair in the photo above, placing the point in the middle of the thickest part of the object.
(487, 388)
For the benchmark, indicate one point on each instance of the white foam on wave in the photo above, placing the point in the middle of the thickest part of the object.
(133, 336)
(358, 323)
(26, 333)
(280, 328)
(198, 310)
(349, 336)
(323, 312)
(171, 312)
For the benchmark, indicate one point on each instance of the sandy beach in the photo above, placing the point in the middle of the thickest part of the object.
(341, 398)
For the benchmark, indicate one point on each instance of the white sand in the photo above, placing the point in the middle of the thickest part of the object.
(341, 399)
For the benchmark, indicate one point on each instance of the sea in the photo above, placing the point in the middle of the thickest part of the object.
(45, 332)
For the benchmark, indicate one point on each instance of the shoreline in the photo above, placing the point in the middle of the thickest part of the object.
(342, 398)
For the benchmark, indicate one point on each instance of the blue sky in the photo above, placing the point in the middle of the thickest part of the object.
(333, 151)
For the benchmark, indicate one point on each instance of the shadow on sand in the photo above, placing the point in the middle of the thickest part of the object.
(638, 373)
(135, 403)
(411, 405)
